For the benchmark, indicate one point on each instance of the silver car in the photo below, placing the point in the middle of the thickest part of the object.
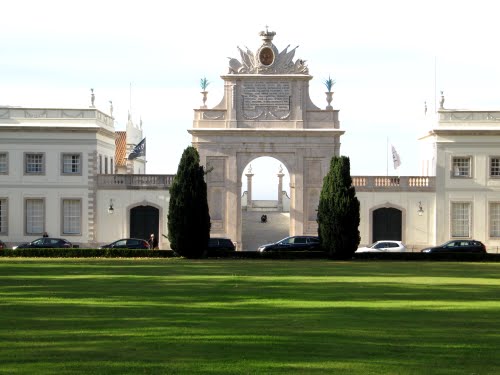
(386, 246)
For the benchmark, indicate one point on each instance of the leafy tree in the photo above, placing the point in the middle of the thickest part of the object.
(338, 211)
(188, 215)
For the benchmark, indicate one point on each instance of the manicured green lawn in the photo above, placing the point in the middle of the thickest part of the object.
(175, 316)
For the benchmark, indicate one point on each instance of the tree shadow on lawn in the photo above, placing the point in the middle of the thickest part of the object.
(163, 319)
(297, 337)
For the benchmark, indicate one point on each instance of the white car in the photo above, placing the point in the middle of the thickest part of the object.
(384, 246)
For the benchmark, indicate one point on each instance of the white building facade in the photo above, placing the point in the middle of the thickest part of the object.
(466, 148)
(57, 176)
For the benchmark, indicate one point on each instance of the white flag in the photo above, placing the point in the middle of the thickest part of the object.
(395, 158)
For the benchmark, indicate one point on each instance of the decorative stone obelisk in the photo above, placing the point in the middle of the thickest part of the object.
(249, 175)
(280, 189)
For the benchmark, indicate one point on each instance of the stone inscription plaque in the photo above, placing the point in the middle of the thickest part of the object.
(260, 94)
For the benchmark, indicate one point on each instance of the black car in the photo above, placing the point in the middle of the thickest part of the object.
(220, 246)
(46, 243)
(128, 243)
(458, 246)
(221, 243)
(293, 243)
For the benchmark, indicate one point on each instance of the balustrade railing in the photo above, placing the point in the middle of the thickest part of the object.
(361, 183)
(391, 183)
(135, 181)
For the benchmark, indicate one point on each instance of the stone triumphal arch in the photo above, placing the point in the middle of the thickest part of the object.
(266, 111)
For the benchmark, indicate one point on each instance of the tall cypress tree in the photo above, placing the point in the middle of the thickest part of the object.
(338, 211)
(188, 215)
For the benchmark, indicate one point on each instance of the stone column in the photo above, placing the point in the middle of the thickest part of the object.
(280, 189)
(249, 175)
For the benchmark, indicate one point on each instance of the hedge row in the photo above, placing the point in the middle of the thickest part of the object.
(449, 257)
(87, 253)
(127, 253)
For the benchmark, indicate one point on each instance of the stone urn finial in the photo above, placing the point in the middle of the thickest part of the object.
(204, 84)
(441, 102)
(329, 94)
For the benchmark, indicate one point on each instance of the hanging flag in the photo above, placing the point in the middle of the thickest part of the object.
(139, 150)
(395, 158)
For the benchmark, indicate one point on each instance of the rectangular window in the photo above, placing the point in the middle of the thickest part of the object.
(100, 164)
(105, 165)
(4, 163)
(71, 164)
(111, 166)
(460, 219)
(495, 166)
(3, 216)
(35, 216)
(461, 167)
(495, 219)
(34, 163)
(72, 216)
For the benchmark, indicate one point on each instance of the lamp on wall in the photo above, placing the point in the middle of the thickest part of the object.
(110, 208)
(420, 209)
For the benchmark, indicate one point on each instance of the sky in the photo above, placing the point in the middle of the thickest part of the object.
(387, 58)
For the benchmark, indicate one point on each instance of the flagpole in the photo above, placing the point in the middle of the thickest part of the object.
(130, 97)
(387, 157)
(435, 86)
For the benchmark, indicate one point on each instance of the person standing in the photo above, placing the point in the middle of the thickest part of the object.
(152, 241)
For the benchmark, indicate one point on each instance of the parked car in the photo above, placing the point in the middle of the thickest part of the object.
(46, 243)
(293, 243)
(221, 243)
(20, 246)
(458, 246)
(127, 243)
(388, 246)
(2, 245)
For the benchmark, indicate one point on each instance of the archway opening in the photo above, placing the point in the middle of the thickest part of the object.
(265, 202)
(387, 224)
(144, 221)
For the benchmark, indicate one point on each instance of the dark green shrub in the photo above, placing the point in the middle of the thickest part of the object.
(188, 216)
(338, 211)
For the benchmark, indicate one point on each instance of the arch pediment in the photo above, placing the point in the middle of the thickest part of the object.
(267, 59)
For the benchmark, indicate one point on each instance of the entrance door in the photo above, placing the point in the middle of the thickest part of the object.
(144, 220)
(387, 224)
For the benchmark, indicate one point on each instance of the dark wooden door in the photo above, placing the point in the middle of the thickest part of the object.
(144, 220)
(387, 224)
